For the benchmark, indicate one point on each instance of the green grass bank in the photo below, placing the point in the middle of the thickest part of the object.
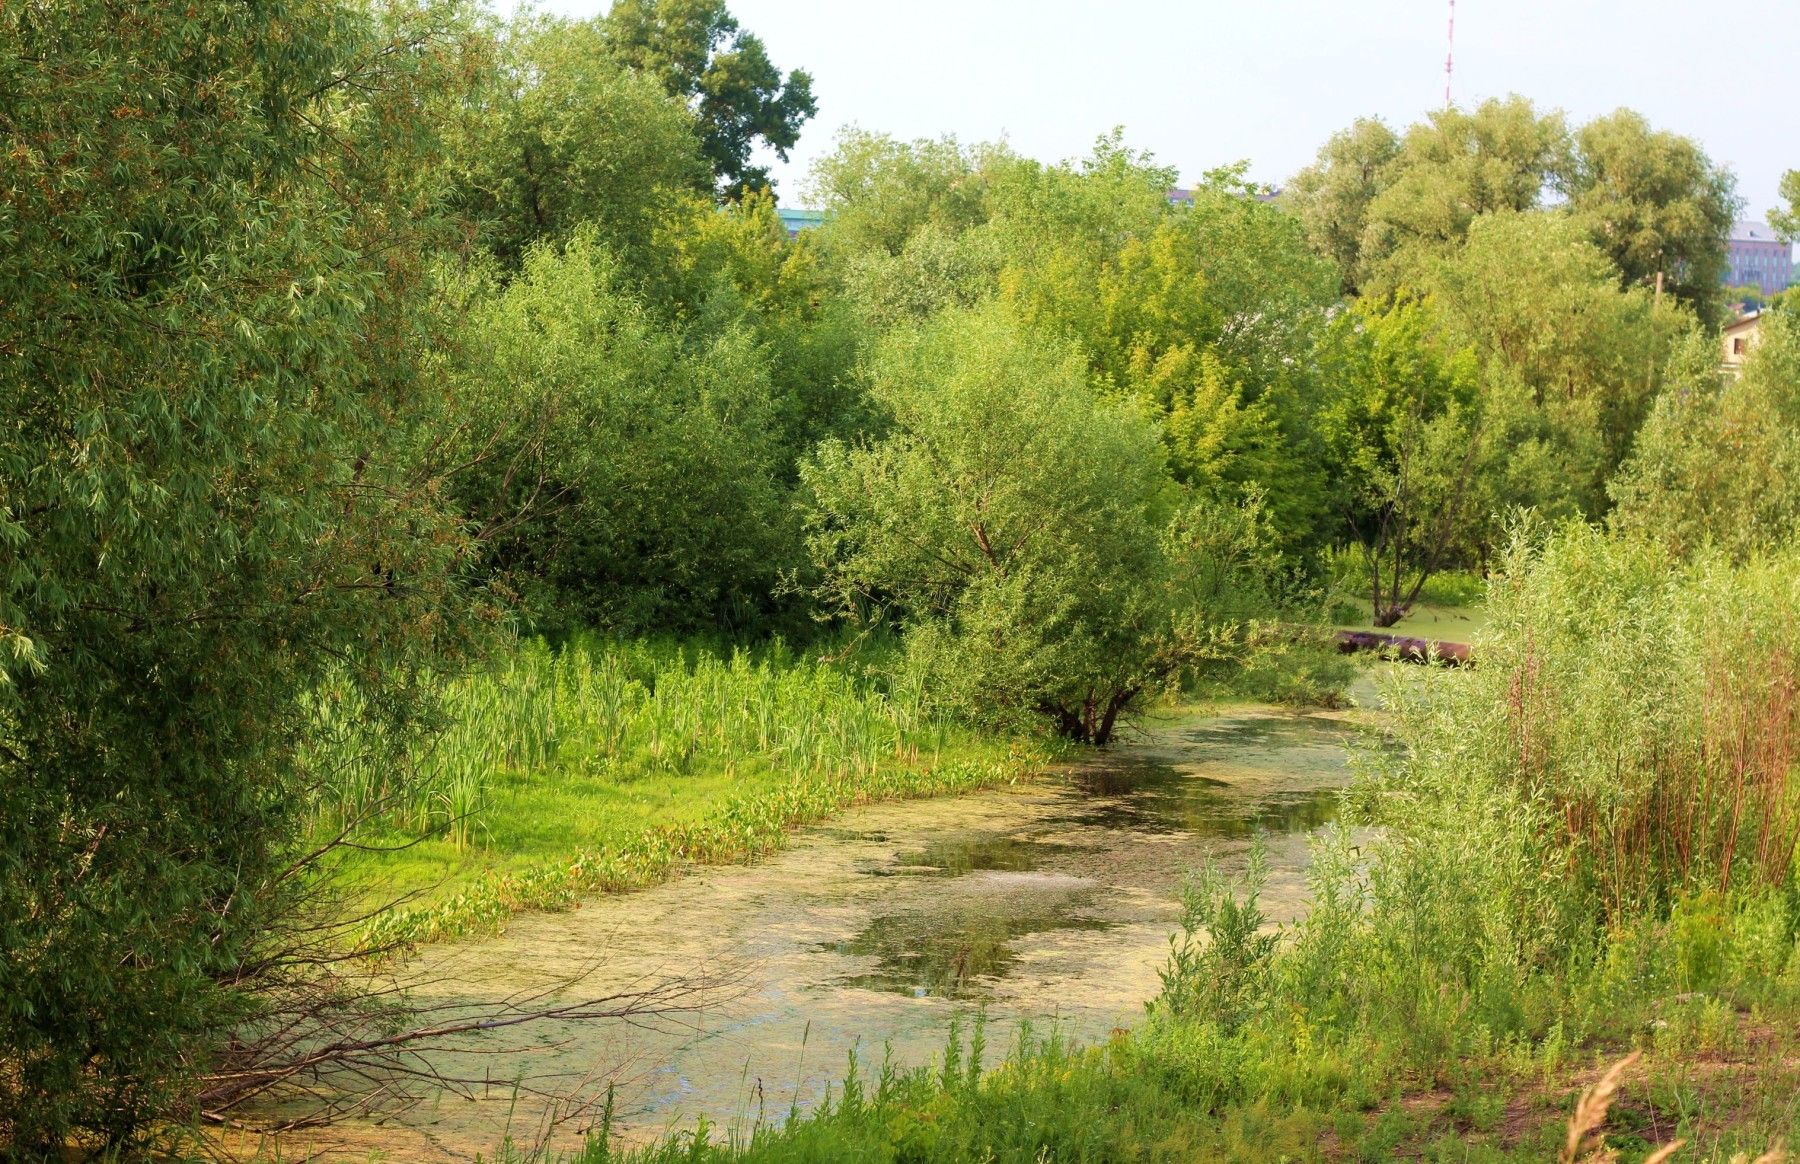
(604, 766)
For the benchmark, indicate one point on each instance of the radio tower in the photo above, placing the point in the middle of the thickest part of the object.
(1450, 56)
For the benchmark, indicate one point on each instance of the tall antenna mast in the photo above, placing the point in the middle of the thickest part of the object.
(1450, 56)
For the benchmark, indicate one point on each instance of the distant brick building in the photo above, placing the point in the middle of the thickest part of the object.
(1756, 258)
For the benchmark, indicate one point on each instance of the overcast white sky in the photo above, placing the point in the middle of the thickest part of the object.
(1206, 82)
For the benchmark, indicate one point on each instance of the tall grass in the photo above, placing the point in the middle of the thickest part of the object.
(618, 711)
(605, 765)
(1630, 737)
(1558, 820)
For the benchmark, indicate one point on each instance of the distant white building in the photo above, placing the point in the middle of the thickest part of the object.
(1739, 338)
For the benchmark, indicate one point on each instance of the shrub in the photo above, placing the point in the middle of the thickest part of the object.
(623, 475)
(1619, 769)
(210, 277)
(1718, 462)
(1223, 978)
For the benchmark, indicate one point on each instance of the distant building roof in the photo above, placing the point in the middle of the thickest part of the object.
(1182, 196)
(1750, 230)
(794, 220)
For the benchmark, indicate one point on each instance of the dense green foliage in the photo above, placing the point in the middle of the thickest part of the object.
(211, 303)
(1541, 308)
(1787, 219)
(559, 134)
(1654, 202)
(628, 476)
(335, 336)
(1039, 557)
(697, 51)
(1718, 462)
(1332, 197)
(1405, 430)
(1378, 203)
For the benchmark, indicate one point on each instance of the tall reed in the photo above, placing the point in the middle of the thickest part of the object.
(618, 711)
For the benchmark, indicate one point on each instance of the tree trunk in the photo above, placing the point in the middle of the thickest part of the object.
(1093, 721)
(1110, 719)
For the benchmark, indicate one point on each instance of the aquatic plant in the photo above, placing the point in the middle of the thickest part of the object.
(1588, 848)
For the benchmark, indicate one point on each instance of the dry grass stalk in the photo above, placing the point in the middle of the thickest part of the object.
(1584, 1143)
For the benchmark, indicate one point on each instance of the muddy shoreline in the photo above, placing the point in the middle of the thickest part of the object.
(1048, 903)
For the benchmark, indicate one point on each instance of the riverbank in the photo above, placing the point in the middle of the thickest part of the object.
(1046, 905)
(1134, 1099)
(1585, 855)
(1428, 620)
(604, 767)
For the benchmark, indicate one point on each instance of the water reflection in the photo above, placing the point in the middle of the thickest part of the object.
(1161, 799)
(959, 955)
(1225, 779)
(975, 852)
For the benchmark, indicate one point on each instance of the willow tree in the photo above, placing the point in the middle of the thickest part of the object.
(211, 249)
(558, 134)
(1542, 308)
(1656, 204)
(1024, 532)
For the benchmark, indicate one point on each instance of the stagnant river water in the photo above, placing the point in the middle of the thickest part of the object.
(1051, 901)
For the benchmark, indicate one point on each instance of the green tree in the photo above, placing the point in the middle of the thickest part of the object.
(1718, 462)
(880, 192)
(1207, 313)
(1788, 221)
(1452, 168)
(1655, 203)
(1407, 444)
(900, 238)
(1024, 531)
(697, 52)
(1542, 308)
(622, 474)
(1332, 196)
(733, 268)
(212, 237)
(559, 135)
